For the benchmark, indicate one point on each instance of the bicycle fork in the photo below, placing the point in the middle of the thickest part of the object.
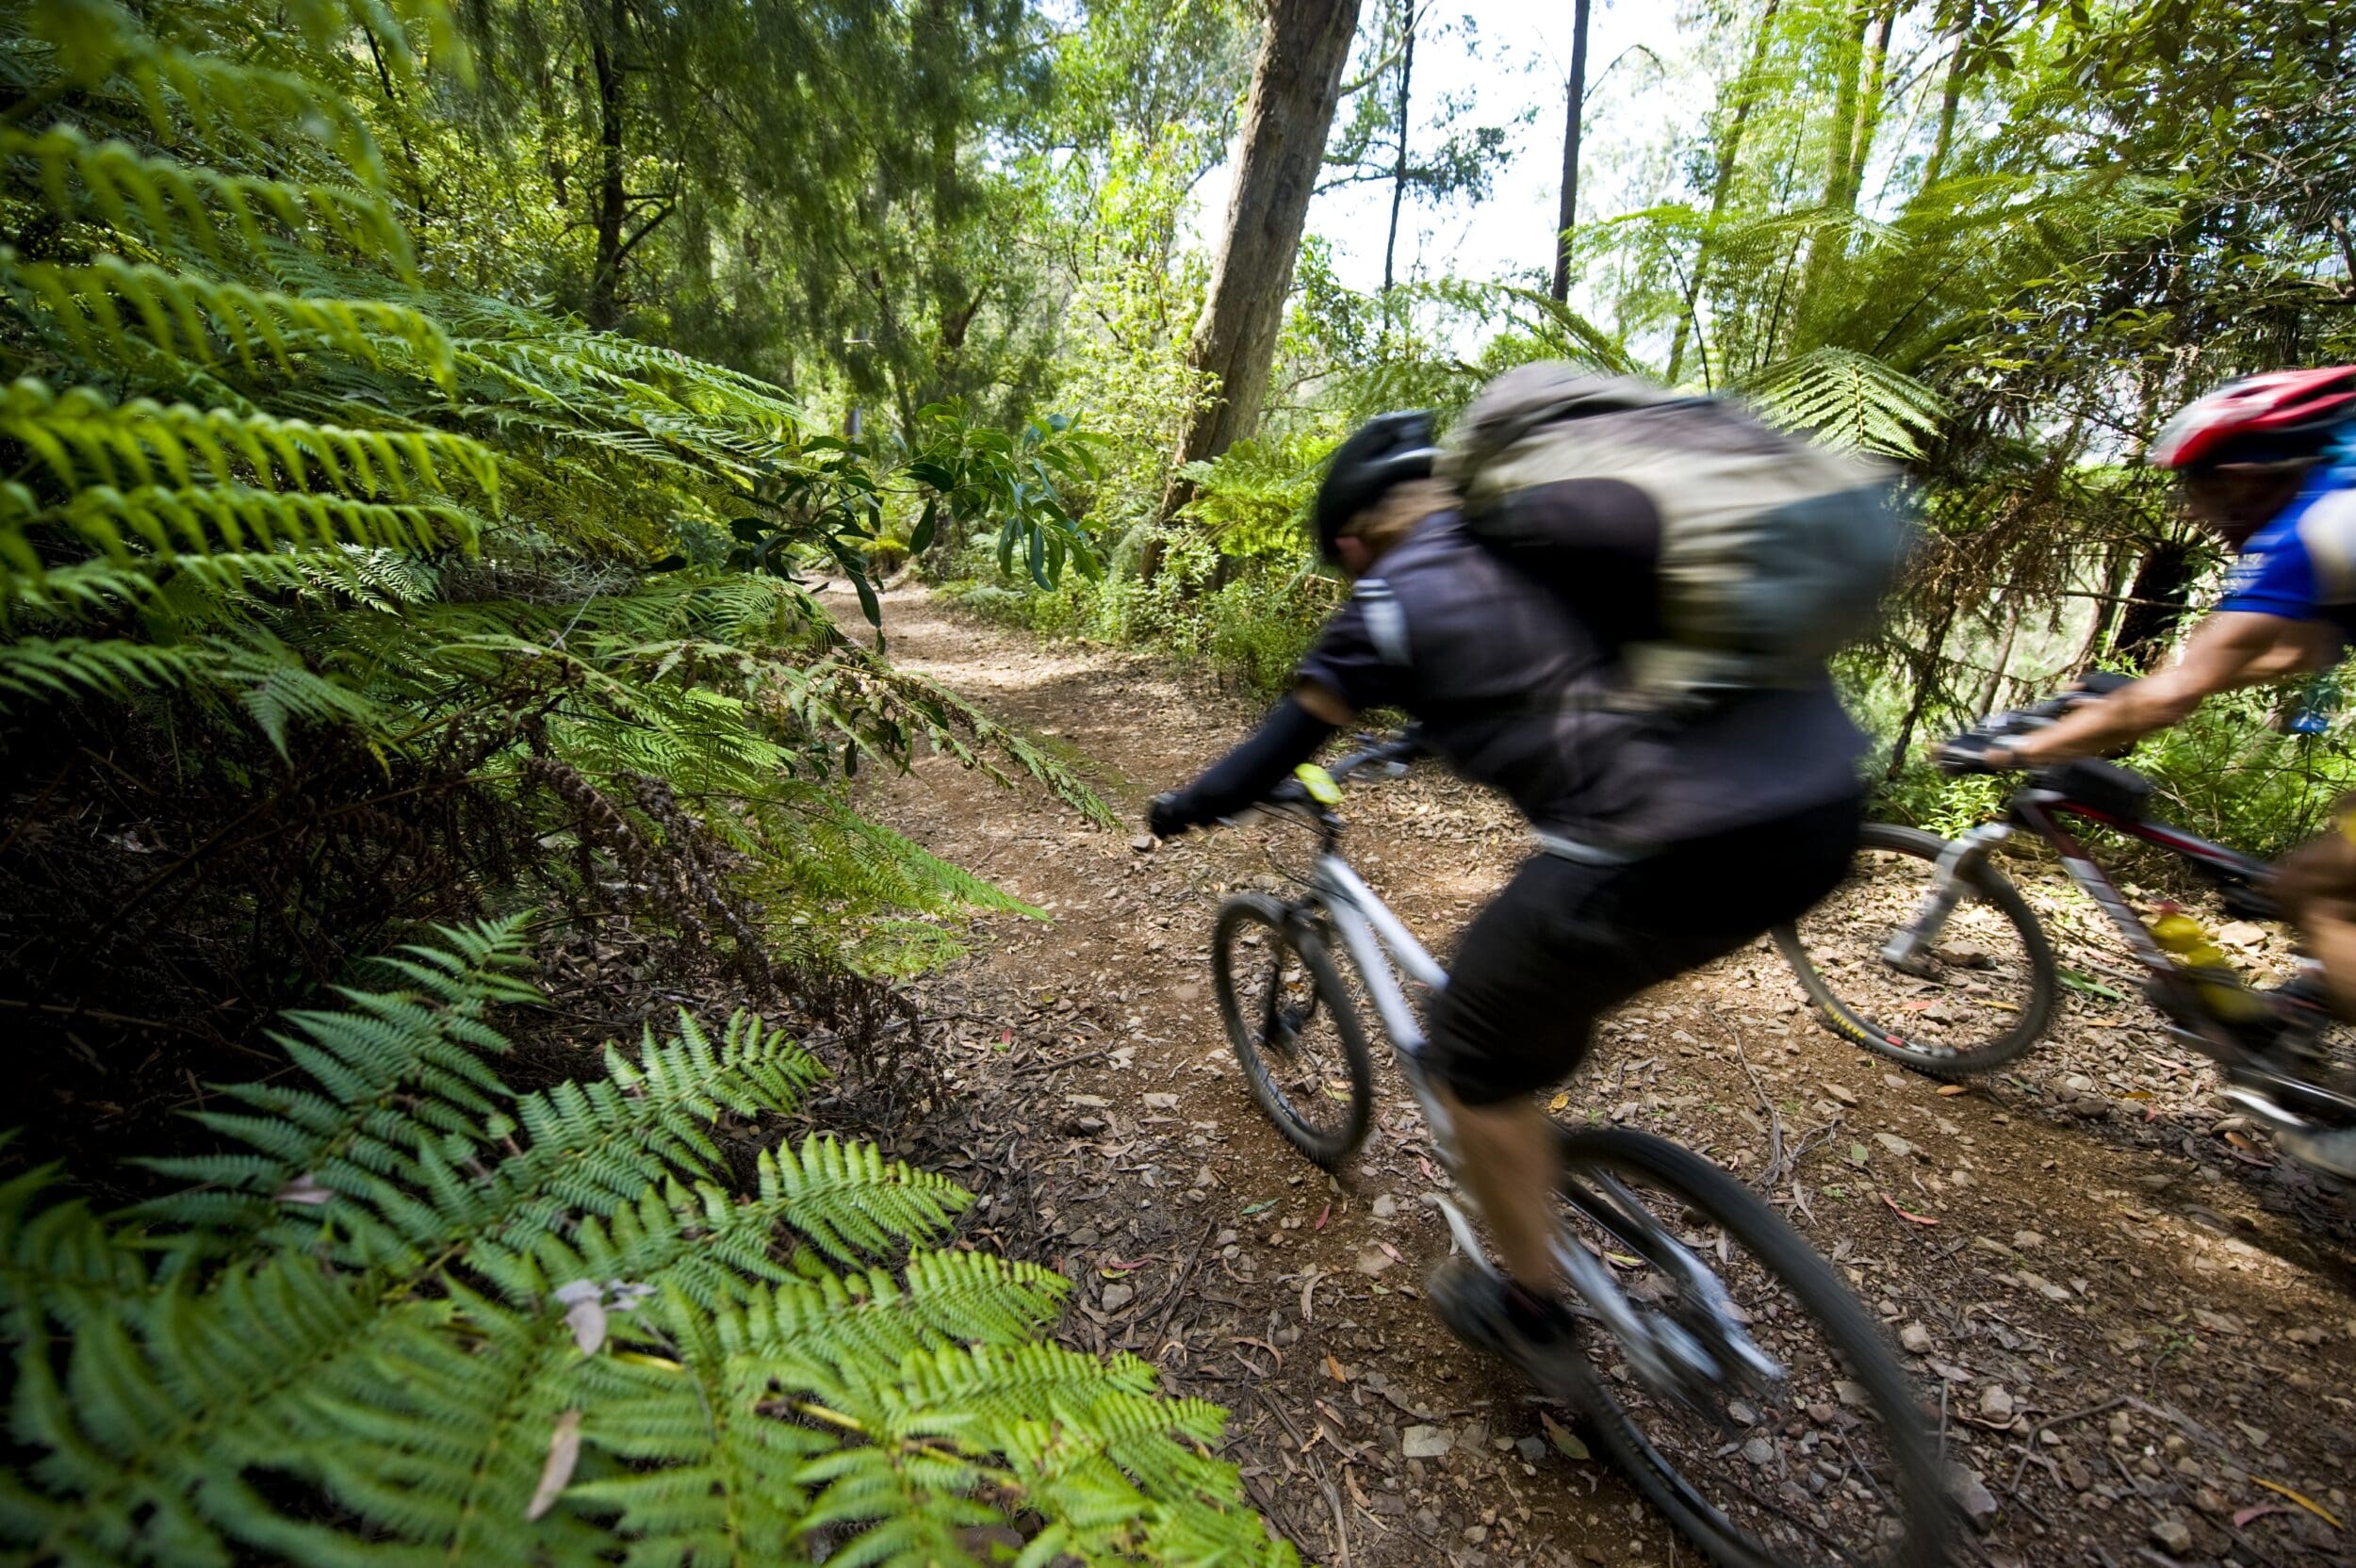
(1950, 882)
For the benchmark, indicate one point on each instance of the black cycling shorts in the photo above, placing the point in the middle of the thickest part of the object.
(1565, 942)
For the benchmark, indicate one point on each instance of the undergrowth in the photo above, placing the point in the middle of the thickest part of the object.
(403, 1314)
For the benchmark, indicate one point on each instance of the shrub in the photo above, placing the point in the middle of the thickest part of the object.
(407, 1313)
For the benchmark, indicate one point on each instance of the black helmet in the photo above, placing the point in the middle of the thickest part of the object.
(1388, 450)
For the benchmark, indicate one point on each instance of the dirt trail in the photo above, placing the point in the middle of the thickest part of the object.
(2127, 1314)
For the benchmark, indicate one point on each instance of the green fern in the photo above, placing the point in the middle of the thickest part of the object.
(1849, 400)
(455, 1323)
(81, 438)
(177, 204)
(183, 313)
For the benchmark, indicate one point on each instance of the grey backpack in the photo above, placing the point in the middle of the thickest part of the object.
(1774, 553)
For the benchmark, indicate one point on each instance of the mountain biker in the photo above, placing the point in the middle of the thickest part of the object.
(1662, 846)
(2255, 460)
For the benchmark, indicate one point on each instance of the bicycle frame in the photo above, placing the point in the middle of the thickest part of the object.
(2039, 809)
(1381, 949)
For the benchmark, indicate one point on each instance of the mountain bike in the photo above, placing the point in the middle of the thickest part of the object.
(1929, 956)
(1725, 1368)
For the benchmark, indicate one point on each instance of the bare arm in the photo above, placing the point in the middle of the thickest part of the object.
(1322, 702)
(2229, 651)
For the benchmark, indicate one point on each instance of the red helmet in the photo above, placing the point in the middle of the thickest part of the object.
(2280, 416)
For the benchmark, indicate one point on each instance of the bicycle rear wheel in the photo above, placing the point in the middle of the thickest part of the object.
(1972, 1001)
(1830, 1462)
(1294, 1026)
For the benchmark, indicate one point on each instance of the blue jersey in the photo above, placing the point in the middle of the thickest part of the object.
(2301, 566)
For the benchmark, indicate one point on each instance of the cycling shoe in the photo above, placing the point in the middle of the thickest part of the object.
(1488, 1312)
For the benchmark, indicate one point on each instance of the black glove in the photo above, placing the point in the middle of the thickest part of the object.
(1967, 753)
(1169, 814)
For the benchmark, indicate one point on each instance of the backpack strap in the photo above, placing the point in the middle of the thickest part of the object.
(1386, 622)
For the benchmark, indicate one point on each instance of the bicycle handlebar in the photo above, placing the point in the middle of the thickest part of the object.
(2015, 722)
(1402, 748)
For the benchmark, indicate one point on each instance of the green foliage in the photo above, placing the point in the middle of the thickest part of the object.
(418, 1315)
(296, 503)
(1849, 400)
(1253, 499)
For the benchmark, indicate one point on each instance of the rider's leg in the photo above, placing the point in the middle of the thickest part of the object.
(2331, 937)
(1513, 1171)
(2317, 889)
(1533, 971)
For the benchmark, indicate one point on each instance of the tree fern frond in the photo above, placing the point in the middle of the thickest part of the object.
(425, 1043)
(46, 669)
(339, 1390)
(847, 1199)
(58, 1259)
(82, 438)
(1849, 400)
(200, 519)
(101, 47)
(183, 313)
(177, 202)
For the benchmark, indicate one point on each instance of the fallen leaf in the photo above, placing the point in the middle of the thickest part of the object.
(1251, 1209)
(1565, 1442)
(1557, 1102)
(1952, 1090)
(1336, 1370)
(564, 1453)
(586, 1317)
(2311, 1506)
(1323, 1214)
(1918, 1219)
(2242, 1517)
(304, 1188)
(584, 1313)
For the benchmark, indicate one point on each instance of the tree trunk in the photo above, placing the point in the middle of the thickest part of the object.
(1566, 217)
(605, 275)
(1925, 680)
(1722, 184)
(1831, 242)
(1302, 48)
(2155, 604)
(1949, 98)
(1869, 110)
(2003, 660)
(1399, 175)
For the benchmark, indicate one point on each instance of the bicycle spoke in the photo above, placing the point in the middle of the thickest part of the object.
(1786, 1465)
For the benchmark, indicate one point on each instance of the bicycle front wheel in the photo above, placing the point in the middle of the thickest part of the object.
(1971, 1001)
(1817, 1452)
(1294, 1026)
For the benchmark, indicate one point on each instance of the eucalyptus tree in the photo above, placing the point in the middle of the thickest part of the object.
(1295, 85)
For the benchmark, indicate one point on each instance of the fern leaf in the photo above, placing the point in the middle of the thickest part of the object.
(175, 202)
(49, 669)
(183, 313)
(83, 439)
(1850, 401)
(199, 519)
